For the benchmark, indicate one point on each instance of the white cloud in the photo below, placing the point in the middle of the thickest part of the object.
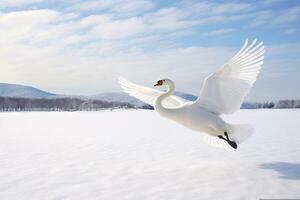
(35, 27)
(117, 6)
(37, 49)
(17, 3)
(288, 16)
(22, 25)
(117, 29)
(276, 19)
(254, 15)
(93, 20)
(63, 72)
(164, 20)
(94, 4)
(34, 17)
(232, 8)
(272, 1)
(133, 6)
(221, 32)
(208, 7)
(291, 31)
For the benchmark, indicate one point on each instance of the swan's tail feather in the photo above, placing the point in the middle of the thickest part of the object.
(215, 141)
(239, 132)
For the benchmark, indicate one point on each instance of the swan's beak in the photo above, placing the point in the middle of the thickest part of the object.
(160, 82)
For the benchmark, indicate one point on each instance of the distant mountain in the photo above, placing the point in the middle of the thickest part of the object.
(118, 97)
(189, 97)
(249, 105)
(14, 90)
(125, 98)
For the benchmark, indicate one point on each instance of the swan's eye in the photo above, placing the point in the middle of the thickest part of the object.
(160, 82)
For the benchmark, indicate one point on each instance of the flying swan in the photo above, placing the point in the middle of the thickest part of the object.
(222, 93)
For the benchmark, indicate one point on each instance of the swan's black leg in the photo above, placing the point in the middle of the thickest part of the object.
(221, 137)
(231, 143)
(226, 135)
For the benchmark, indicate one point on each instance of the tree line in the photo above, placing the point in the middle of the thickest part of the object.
(8, 104)
(58, 104)
(273, 104)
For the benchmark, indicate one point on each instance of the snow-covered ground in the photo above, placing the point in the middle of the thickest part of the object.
(138, 155)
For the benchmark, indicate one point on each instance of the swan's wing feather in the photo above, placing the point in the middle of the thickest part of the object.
(148, 95)
(223, 91)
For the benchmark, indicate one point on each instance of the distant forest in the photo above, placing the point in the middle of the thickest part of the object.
(9, 104)
(273, 104)
(58, 104)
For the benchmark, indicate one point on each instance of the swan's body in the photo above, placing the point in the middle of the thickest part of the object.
(191, 115)
(222, 93)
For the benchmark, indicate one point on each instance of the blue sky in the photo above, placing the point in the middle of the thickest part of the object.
(80, 47)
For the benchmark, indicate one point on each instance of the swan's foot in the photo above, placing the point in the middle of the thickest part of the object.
(231, 143)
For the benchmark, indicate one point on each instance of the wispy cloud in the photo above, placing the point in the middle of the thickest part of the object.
(221, 32)
(282, 18)
(232, 8)
(116, 6)
(17, 3)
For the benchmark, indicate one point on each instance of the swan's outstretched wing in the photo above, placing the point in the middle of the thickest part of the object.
(223, 91)
(148, 95)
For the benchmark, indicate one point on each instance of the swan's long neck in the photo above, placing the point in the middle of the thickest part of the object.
(158, 103)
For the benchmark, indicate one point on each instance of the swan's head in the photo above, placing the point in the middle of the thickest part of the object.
(162, 82)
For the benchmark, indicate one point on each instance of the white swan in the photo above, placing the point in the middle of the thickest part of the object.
(222, 93)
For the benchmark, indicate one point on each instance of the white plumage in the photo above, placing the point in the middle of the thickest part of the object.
(224, 90)
(222, 93)
(148, 95)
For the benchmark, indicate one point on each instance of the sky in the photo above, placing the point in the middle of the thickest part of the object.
(82, 46)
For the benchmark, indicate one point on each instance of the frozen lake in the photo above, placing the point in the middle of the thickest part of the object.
(138, 155)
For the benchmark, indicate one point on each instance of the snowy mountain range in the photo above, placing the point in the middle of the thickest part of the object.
(22, 91)
(124, 97)
(15, 90)
(118, 97)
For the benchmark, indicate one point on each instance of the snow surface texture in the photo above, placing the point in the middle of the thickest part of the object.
(138, 155)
